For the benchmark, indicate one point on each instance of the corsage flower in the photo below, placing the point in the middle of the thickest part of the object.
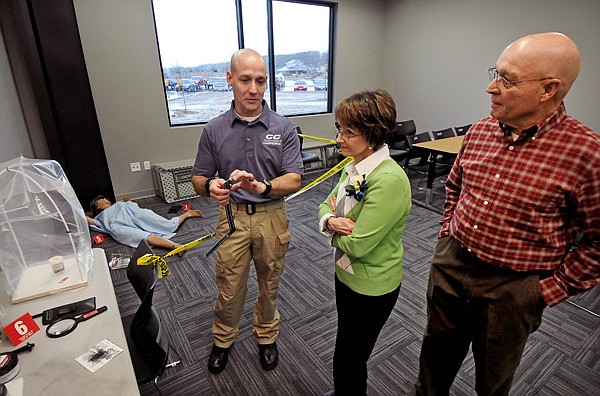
(357, 187)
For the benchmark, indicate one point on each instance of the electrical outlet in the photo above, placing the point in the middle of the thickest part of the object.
(135, 167)
(146, 165)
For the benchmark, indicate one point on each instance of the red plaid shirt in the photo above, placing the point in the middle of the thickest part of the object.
(522, 204)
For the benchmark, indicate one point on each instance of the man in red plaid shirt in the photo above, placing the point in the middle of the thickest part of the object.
(521, 226)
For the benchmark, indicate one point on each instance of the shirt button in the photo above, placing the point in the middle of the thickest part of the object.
(486, 202)
(469, 250)
(497, 175)
(533, 138)
(475, 227)
(511, 148)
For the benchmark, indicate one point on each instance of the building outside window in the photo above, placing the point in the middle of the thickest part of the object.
(196, 39)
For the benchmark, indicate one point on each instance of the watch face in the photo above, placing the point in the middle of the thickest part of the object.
(268, 185)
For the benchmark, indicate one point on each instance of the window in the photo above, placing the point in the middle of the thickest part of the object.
(196, 39)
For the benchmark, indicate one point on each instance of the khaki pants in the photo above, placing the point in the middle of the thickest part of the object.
(473, 303)
(264, 238)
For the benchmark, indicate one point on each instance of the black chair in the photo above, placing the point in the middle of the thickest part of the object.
(401, 133)
(422, 167)
(146, 336)
(461, 130)
(398, 145)
(443, 133)
(447, 159)
(307, 157)
(415, 152)
(407, 127)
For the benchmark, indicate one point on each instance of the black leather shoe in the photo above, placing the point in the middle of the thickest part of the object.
(217, 359)
(269, 357)
(330, 392)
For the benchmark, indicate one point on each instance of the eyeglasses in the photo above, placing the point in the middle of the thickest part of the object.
(506, 82)
(346, 135)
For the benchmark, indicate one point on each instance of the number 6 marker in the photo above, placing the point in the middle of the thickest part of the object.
(21, 329)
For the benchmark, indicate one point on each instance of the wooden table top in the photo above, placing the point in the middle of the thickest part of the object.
(449, 145)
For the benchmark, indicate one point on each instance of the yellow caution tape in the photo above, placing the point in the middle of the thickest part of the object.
(147, 259)
(163, 268)
(190, 245)
(155, 259)
(321, 178)
(317, 138)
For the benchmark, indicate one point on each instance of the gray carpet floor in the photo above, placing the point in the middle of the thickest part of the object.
(561, 358)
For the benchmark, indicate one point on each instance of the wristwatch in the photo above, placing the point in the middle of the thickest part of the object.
(326, 224)
(207, 184)
(268, 189)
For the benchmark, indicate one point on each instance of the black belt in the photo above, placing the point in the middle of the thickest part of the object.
(251, 207)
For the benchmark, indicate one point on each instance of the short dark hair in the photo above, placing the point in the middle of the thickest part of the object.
(94, 204)
(373, 113)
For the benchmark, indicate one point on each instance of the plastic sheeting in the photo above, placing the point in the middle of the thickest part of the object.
(40, 218)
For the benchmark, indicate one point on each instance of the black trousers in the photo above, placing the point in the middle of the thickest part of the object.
(473, 303)
(360, 320)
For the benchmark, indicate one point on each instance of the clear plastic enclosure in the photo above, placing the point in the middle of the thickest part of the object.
(42, 224)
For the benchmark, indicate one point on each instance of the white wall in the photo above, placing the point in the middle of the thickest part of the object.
(13, 131)
(440, 51)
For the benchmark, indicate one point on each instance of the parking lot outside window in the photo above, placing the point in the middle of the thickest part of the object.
(197, 37)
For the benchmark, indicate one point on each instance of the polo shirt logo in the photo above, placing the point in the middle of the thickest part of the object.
(272, 139)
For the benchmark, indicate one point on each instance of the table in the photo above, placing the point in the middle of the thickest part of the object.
(50, 368)
(449, 145)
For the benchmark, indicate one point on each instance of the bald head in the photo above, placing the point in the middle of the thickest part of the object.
(245, 55)
(546, 55)
(247, 76)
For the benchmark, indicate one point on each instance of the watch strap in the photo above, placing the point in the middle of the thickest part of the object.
(207, 184)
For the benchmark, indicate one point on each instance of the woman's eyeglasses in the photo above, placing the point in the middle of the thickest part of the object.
(346, 135)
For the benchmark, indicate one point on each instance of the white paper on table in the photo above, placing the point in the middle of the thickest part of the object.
(99, 355)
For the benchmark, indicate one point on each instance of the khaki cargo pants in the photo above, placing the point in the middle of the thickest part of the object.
(262, 237)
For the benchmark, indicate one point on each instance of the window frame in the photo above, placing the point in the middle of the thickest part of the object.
(271, 70)
(271, 52)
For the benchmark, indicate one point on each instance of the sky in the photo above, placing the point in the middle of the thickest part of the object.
(195, 32)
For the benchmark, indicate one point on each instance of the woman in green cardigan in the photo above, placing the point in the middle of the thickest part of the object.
(364, 216)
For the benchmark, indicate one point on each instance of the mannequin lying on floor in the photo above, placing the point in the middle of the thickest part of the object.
(129, 224)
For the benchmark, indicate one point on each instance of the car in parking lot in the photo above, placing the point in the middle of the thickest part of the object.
(200, 81)
(187, 84)
(300, 85)
(320, 84)
(171, 84)
(219, 81)
(279, 82)
(220, 84)
(209, 82)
